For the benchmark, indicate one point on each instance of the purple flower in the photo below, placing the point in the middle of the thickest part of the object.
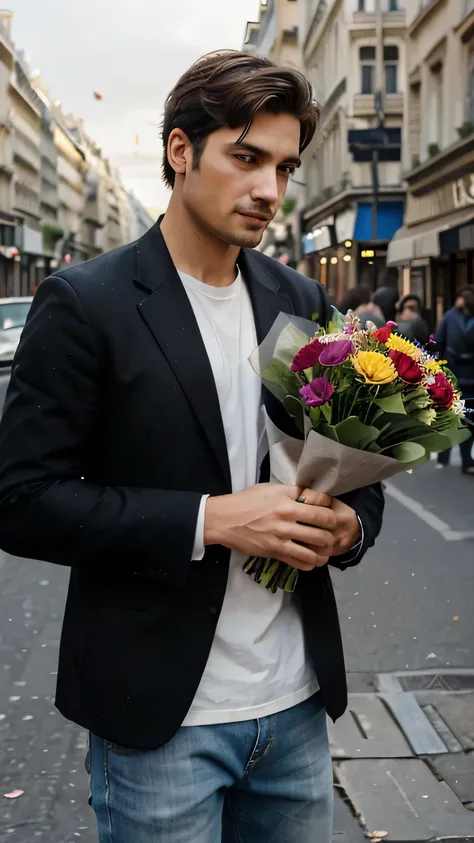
(335, 352)
(316, 393)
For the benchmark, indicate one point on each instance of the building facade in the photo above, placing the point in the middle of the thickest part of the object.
(354, 57)
(9, 255)
(434, 250)
(276, 35)
(27, 154)
(60, 200)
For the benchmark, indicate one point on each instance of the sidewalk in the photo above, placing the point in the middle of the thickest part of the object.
(404, 759)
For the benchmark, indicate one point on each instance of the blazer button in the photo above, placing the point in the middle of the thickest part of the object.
(213, 610)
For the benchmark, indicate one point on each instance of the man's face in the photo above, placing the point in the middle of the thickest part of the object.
(238, 187)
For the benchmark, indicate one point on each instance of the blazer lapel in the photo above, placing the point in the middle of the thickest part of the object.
(264, 289)
(170, 318)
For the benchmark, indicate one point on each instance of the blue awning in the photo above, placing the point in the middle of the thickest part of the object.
(389, 220)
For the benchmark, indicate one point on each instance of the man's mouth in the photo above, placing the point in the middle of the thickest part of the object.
(260, 220)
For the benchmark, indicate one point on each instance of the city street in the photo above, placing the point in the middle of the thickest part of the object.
(407, 608)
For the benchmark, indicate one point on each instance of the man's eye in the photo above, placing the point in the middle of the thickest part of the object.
(247, 159)
(289, 169)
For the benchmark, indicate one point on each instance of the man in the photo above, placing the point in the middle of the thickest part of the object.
(410, 321)
(455, 343)
(129, 451)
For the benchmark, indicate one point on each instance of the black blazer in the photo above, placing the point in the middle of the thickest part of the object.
(110, 434)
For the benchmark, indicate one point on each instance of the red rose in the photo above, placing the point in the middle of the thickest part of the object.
(307, 356)
(408, 369)
(442, 391)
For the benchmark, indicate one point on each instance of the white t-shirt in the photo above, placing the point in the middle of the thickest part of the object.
(257, 665)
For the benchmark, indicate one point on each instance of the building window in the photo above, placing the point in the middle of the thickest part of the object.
(390, 56)
(393, 6)
(435, 105)
(361, 6)
(367, 63)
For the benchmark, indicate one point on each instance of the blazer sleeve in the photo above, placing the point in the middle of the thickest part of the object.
(48, 510)
(368, 503)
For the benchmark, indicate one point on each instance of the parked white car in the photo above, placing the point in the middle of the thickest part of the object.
(13, 313)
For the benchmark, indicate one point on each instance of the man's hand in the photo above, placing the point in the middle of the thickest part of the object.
(347, 531)
(266, 520)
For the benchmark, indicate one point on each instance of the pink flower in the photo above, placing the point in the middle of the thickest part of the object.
(307, 357)
(335, 353)
(316, 393)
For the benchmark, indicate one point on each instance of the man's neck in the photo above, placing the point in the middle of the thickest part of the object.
(195, 251)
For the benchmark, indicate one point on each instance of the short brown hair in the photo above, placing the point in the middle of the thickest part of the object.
(227, 89)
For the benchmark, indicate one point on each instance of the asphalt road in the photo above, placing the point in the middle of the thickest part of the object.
(408, 606)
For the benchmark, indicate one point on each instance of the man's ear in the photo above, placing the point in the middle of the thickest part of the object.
(179, 151)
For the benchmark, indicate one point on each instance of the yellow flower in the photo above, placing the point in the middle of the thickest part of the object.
(374, 367)
(434, 366)
(401, 344)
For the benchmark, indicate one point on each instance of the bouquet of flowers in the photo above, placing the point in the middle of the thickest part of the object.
(368, 404)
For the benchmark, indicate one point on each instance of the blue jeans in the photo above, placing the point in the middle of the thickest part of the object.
(259, 781)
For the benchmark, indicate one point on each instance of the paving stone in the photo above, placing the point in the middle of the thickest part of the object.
(404, 798)
(419, 731)
(451, 742)
(457, 710)
(367, 731)
(458, 772)
(346, 827)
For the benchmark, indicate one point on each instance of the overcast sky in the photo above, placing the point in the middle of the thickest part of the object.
(130, 51)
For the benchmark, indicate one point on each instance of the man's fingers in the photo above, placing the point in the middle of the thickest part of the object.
(299, 556)
(316, 498)
(315, 516)
(319, 539)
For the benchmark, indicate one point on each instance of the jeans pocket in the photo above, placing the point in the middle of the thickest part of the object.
(116, 749)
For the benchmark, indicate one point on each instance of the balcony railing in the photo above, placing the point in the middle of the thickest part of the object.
(26, 151)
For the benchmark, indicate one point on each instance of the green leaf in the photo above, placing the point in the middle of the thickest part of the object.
(295, 409)
(315, 416)
(410, 453)
(353, 433)
(327, 412)
(401, 429)
(328, 431)
(391, 403)
(416, 399)
(433, 442)
(277, 372)
(315, 316)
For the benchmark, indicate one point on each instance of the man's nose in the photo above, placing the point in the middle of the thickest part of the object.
(266, 187)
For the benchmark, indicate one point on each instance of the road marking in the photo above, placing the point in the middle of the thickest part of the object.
(428, 517)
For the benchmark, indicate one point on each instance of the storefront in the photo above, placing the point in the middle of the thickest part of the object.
(434, 250)
(33, 261)
(339, 250)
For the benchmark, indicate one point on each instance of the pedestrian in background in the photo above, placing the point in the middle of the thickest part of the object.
(409, 319)
(358, 299)
(455, 343)
(129, 450)
(386, 299)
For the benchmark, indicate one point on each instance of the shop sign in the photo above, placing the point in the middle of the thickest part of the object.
(445, 200)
